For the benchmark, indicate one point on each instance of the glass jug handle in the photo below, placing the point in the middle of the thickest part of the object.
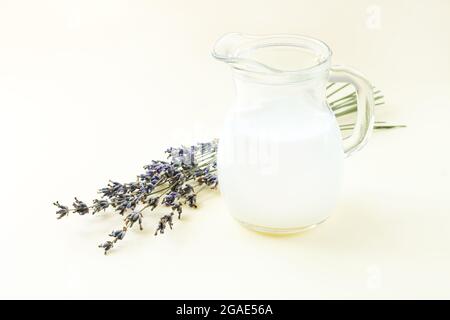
(365, 105)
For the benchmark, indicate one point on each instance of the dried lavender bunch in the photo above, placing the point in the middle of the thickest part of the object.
(170, 184)
(175, 183)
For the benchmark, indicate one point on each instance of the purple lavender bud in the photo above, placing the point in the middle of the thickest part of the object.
(108, 245)
(63, 210)
(80, 207)
(153, 202)
(99, 205)
(192, 200)
(118, 234)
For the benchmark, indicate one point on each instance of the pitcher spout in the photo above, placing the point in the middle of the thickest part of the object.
(233, 48)
(225, 47)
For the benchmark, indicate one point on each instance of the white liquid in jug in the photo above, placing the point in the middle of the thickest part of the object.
(289, 145)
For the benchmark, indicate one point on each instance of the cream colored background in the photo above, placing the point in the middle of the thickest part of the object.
(93, 90)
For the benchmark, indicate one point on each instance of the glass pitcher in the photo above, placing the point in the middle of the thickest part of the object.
(280, 155)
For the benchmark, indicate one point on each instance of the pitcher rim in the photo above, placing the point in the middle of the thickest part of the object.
(321, 50)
